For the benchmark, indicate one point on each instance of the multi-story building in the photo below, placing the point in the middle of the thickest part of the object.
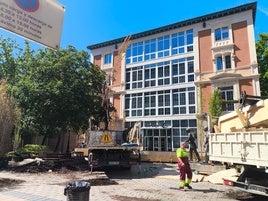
(164, 77)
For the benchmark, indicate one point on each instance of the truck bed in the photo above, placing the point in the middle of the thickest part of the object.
(246, 148)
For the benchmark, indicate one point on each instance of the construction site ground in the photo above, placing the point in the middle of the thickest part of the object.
(148, 182)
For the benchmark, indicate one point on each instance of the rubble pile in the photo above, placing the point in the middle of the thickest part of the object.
(39, 165)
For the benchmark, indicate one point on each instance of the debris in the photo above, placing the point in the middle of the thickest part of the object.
(217, 178)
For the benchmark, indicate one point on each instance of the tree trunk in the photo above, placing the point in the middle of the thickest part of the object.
(44, 139)
(57, 144)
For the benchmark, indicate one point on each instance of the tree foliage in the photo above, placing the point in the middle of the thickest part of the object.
(8, 117)
(215, 103)
(262, 57)
(55, 91)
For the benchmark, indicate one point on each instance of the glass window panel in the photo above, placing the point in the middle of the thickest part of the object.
(134, 76)
(146, 101)
(219, 63)
(182, 99)
(160, 72)
(174, 40)
(190, 48)
(190, 67)
(167, 81)
(167, 100)
(182, 110)
(191, 97)
(182, 79)
(181, 40)
(190, 37)
(175, 80)
(184, 123)
(182, 68)
(160, 100)
(176, 110)
(218, 34)
(227, 61)
(181, 50)
(153, 73)
(192, 123)
(175, 70)
(192, 109)
(107, 58)
(225, 33)
(140, 102)
(166, 70)
(153, 101)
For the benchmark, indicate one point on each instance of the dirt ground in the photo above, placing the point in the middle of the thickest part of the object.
(67, 167)
(71, 168)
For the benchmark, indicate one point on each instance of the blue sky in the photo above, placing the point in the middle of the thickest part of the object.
(88, 22)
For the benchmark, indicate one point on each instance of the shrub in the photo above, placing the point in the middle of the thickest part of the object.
(30, 150)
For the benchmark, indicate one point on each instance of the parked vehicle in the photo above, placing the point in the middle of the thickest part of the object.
(241, 139)
(105, 149)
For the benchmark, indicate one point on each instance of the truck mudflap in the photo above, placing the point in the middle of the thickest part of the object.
(251, 188)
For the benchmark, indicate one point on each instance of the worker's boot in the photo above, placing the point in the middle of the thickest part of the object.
(188, 186)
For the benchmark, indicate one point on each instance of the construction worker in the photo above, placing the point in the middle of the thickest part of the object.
(184, 167)
(193, 147)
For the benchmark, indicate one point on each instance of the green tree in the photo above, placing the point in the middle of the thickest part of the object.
(8, 112)
(215, 104)
(56, 91)
(262, 58)
(9, 50)
(8, 117)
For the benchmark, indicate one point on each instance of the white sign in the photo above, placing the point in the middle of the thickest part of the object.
(37, 20)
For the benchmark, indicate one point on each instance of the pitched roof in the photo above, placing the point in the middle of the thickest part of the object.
(201, 19)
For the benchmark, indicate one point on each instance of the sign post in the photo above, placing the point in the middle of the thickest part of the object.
(38, 20)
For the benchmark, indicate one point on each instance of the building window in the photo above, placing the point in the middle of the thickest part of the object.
(163, 73)
(137, 52)
(183, 70)
(133, 105)
(190, 40)
(164, 102)
(127, 105)
(160, 47)
(108, 58)
(128, 55)
(150, 49)
(184, 100)
(228, 61)
(223, 62)
(219, 63)
(150, 104)
(128, 78)
(150, 75)
(227, 94)
(134, 77)
(163, 46)
(221, 33)
(190, 69)
(182, 42)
